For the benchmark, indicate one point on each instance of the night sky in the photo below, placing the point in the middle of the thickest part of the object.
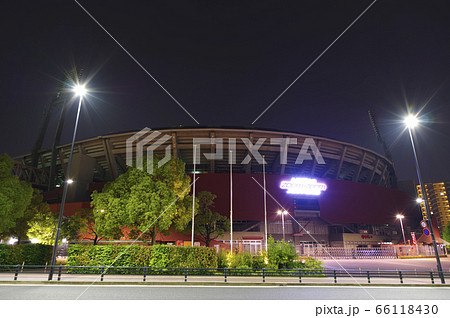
(226, 61)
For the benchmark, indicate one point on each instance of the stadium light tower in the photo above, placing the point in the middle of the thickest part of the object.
(411, 122)
(80, 91)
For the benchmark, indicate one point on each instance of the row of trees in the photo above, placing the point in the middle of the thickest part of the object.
(146, 204)
(24, 215)
(137, 204)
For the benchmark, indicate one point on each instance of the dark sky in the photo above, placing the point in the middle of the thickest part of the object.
(226, 61)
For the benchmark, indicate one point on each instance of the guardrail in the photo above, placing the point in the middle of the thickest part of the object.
(300, 274)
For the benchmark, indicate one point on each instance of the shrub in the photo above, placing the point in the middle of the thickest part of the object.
(281, 253)
(142, 256)
(222, 259)
(30, 254)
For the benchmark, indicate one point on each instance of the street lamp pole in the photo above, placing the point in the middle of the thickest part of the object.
(282, 222)
(80, 91)
(411, 121)
(265, 204)
(231, 201)
(400, 217)
(193, 196)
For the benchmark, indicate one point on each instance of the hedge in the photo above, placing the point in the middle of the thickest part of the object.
(142, 256)
(30, 254)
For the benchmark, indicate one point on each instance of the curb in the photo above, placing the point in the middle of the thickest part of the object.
(181, 284)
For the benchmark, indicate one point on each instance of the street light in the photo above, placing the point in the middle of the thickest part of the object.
(401, 217)
(282, 221)
(411, 122)
(80, 91)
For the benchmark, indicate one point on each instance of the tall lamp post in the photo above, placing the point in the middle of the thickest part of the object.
(411, 121)
(193, 197)
(282, 222)
(79, 91)
(265, 205)
(401, 217)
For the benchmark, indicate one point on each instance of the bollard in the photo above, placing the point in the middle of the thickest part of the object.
(335, 278)
(368, 277)
(401, 277)
(299, 275)
(225, 272)
(17, 272)
(145, 274)
(432, 278)
(59, 272)
(185, 274)
(264, 275)
(103, 274)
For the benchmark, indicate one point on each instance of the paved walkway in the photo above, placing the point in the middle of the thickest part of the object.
(420, 264)
(43, 277)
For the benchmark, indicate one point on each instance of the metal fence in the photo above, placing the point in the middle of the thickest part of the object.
(13, 272)
(367, 252)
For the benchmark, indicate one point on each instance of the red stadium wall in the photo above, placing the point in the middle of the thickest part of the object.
(342, 202)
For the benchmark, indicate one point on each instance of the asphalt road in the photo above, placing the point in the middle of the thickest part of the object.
(128, 292)
(420, 264)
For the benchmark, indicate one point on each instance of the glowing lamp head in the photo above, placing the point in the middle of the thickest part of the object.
(281, 212)
(79, 90)
(69, 181)
(419, 200)
(399, 216)
(411, 121)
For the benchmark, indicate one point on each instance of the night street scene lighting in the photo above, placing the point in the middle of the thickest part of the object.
(411, 121)
(80, 91)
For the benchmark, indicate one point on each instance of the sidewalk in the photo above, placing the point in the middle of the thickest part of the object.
(134, 279)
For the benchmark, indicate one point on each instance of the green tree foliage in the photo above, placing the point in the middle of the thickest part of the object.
(15, 195)
(20, 230)
(446, 232)
(43, 225)
(88, 230)
(72, 226)
(209, 224)
(144, 203)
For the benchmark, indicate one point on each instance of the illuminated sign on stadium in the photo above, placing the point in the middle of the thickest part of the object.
(303, 186)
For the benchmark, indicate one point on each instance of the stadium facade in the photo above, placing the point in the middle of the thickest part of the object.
(354, 202)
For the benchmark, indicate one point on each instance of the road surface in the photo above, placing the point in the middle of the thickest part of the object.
(139, 292)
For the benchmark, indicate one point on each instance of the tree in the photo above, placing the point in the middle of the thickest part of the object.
(89, 230)
(72, 226)
(22, 224)
(15, 195)
(144, 203)
(209, 224)
(43, 226)
(446, 232)
(43, 223)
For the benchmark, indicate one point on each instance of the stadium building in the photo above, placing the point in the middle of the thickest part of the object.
(336, 193)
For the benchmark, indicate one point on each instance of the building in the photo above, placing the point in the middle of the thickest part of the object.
(336, 193)
(437, 196)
